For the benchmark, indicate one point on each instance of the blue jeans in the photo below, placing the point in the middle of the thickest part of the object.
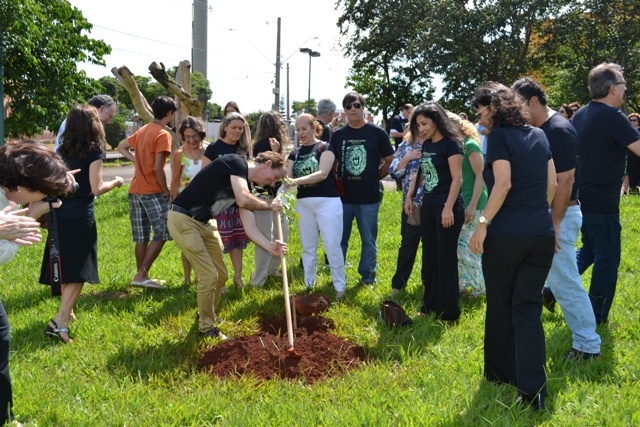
(566, 285)
(601, 247)
(366, 216)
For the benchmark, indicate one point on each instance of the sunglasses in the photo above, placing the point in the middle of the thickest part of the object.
(355, 105)
(633, 120)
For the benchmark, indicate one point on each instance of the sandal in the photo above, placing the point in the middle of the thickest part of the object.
(55, 331)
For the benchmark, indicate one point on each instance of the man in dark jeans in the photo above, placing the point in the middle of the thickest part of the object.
(606, 135)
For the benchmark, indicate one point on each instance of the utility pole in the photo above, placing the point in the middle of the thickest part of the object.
(276, 90)
(288, 104)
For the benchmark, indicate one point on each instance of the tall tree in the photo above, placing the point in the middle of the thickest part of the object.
(42, 43)
(376, 35)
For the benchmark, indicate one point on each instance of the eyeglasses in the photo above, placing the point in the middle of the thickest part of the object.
(482, 109)
(620, 83)
(195, 137)
(356, 105)
(633, 119)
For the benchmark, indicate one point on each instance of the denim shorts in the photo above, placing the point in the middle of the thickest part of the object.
(149, 212)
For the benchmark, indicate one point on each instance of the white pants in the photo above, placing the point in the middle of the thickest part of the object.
(265, 263)
(323, 214)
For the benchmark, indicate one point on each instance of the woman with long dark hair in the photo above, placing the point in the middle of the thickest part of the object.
(517, 240)
(271, 135)
(84, 142)
(442, 211)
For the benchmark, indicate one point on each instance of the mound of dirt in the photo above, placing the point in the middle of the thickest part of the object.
(263, 355)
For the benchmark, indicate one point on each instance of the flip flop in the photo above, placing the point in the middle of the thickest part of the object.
(147, 284)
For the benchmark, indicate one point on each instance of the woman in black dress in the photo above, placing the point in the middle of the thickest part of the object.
(84, 141)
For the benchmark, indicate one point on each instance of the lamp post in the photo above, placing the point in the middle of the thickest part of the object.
(314, 54)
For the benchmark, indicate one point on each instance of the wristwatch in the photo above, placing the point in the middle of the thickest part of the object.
(483, 220)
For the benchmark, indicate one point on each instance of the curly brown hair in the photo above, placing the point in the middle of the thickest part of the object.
(34, 166)
(507, 104)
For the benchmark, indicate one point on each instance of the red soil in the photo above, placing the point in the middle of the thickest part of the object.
(263, 355)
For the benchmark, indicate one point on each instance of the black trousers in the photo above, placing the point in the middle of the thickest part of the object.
(410, 241)
(6, 397)
(515, 269)
(440, 261)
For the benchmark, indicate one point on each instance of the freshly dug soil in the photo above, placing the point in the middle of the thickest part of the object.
(263, 355)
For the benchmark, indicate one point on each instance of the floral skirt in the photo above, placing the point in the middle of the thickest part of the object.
(469, 264)
(231, 230)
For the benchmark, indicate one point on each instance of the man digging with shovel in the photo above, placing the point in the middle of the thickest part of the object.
(219, 185)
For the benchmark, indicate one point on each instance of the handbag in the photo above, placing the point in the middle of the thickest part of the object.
(393, 315)
(414, 219)
(342, 191)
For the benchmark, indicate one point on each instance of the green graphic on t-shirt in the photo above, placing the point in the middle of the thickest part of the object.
(429, 173)
(305, 165)
(355, 159)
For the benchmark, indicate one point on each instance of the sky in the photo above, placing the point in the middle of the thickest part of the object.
(241, 61)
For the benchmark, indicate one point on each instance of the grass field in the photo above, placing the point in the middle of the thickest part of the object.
(134, 357)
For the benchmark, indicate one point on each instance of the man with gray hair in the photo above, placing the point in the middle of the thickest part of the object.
(605, 135)
(326, 111)
(106, 109)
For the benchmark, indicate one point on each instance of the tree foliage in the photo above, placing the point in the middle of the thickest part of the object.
(377, 35)
(307, 106)
(398, 45)
(42, 43)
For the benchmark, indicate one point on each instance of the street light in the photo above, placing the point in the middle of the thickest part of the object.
(314, 54)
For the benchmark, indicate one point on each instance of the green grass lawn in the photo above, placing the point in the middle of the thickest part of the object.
(134, 357)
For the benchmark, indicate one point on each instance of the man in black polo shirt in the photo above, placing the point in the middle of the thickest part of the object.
(219, 185)
(564, 279)
(606, 135)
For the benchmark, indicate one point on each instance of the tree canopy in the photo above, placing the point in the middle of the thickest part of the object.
(42, 43)
(398, 46)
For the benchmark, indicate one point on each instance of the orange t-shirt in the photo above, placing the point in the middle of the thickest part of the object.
(149, 140)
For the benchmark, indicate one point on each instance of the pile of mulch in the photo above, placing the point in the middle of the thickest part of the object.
(263, 355)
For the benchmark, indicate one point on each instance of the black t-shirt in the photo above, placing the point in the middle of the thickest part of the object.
(326, 132)
(525, 210)
(434, 167)
(563, 141)
(261, 147)
(306, 160)
(604, 134)
(209, 192)
(359, 152)
(220, 148)
(398, 123)
(80, 204)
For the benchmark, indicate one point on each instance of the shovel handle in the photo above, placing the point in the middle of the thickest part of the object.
(285, 284)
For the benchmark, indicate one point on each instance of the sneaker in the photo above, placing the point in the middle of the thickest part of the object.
(215, 333)
(340, 295)
(581, 355)
(548, 300)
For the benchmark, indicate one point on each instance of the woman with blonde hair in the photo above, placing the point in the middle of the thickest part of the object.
(474, 197)
(318, 204)
(234, 139)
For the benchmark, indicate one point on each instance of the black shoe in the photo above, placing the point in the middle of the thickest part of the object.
(214, 333)
(548, 300)
(581, 355)
(536, 402)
